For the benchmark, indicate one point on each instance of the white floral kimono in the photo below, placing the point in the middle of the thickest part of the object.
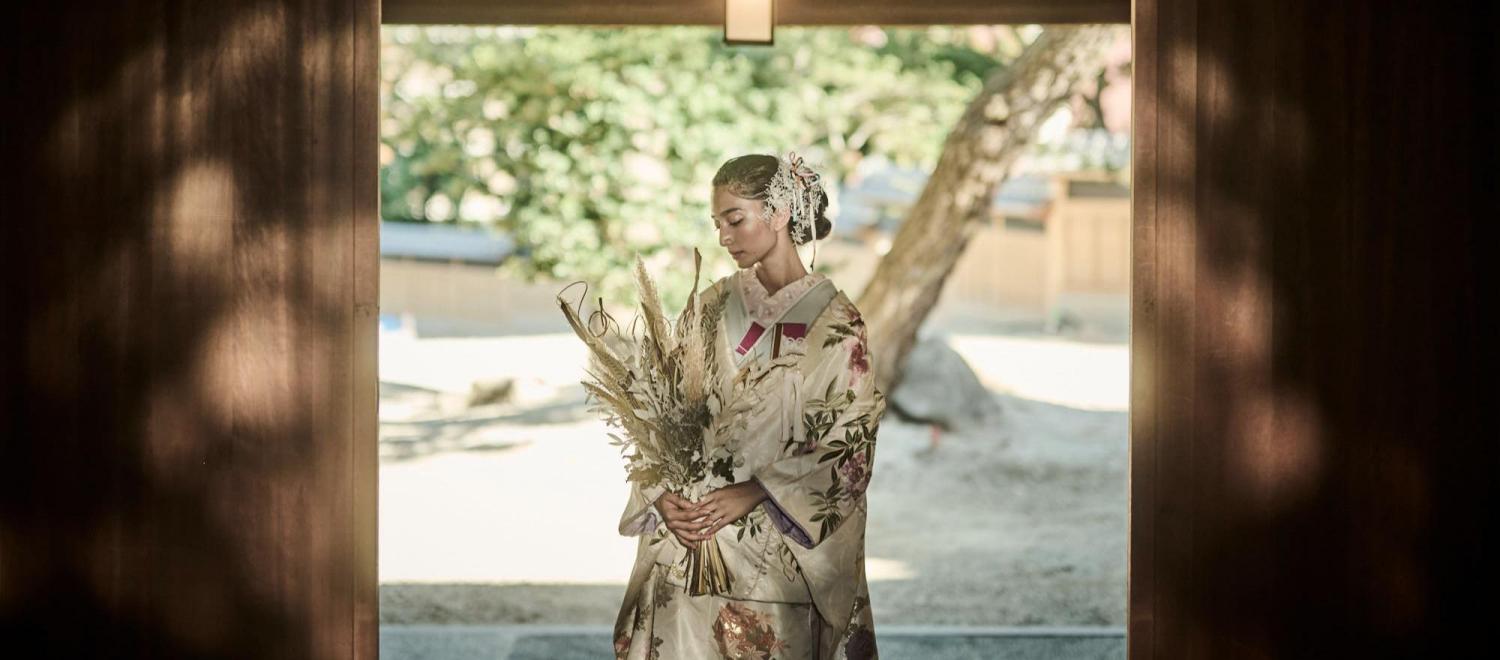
(806, 431)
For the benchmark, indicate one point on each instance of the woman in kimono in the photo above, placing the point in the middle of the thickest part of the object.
(791, 525)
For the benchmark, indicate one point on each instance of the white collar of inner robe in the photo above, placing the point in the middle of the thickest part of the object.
(764, 307)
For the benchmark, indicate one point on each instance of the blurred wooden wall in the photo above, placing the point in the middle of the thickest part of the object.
(187, 439)
(1312, 467)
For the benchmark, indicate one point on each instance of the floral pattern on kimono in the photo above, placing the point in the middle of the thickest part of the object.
(798, 559)
(742, 633)
(839, 425)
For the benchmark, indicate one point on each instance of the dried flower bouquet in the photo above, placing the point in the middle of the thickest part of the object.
(661, 389)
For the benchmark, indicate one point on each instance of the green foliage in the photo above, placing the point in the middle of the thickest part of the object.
(591, 145)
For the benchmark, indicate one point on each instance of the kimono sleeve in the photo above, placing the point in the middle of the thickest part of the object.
(821, 478)
(641, 515)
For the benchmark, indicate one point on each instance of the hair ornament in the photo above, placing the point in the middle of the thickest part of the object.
(797, 188)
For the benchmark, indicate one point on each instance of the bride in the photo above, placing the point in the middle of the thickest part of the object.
(792, 528)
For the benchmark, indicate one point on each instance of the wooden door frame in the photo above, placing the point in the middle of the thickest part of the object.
(1139, 616)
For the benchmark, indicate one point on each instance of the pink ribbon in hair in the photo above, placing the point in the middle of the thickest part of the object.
(801, 170)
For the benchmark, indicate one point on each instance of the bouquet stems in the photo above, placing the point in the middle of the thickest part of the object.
(707, 573)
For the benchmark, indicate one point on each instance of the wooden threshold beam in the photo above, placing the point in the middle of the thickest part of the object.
(788, 12)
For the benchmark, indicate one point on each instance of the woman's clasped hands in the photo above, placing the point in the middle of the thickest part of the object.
(695, 522)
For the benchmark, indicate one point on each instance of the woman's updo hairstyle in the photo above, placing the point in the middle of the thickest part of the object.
(750, 177)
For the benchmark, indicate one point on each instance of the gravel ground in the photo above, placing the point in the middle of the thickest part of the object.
(506, 513)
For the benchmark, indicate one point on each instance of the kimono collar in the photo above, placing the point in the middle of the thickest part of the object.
(764, 307)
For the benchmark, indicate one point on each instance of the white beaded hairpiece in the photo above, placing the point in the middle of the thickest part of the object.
(796, 186)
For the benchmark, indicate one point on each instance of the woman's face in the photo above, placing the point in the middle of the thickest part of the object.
(742, 233)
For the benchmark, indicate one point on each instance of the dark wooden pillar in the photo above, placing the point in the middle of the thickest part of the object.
(188, 386)
(1311, 472)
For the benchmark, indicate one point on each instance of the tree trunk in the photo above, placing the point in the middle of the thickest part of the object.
(997, 126)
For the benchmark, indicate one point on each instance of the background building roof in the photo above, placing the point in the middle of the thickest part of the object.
(446, 242)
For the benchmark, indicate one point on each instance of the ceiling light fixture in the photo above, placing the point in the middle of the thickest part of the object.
(749, 22)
